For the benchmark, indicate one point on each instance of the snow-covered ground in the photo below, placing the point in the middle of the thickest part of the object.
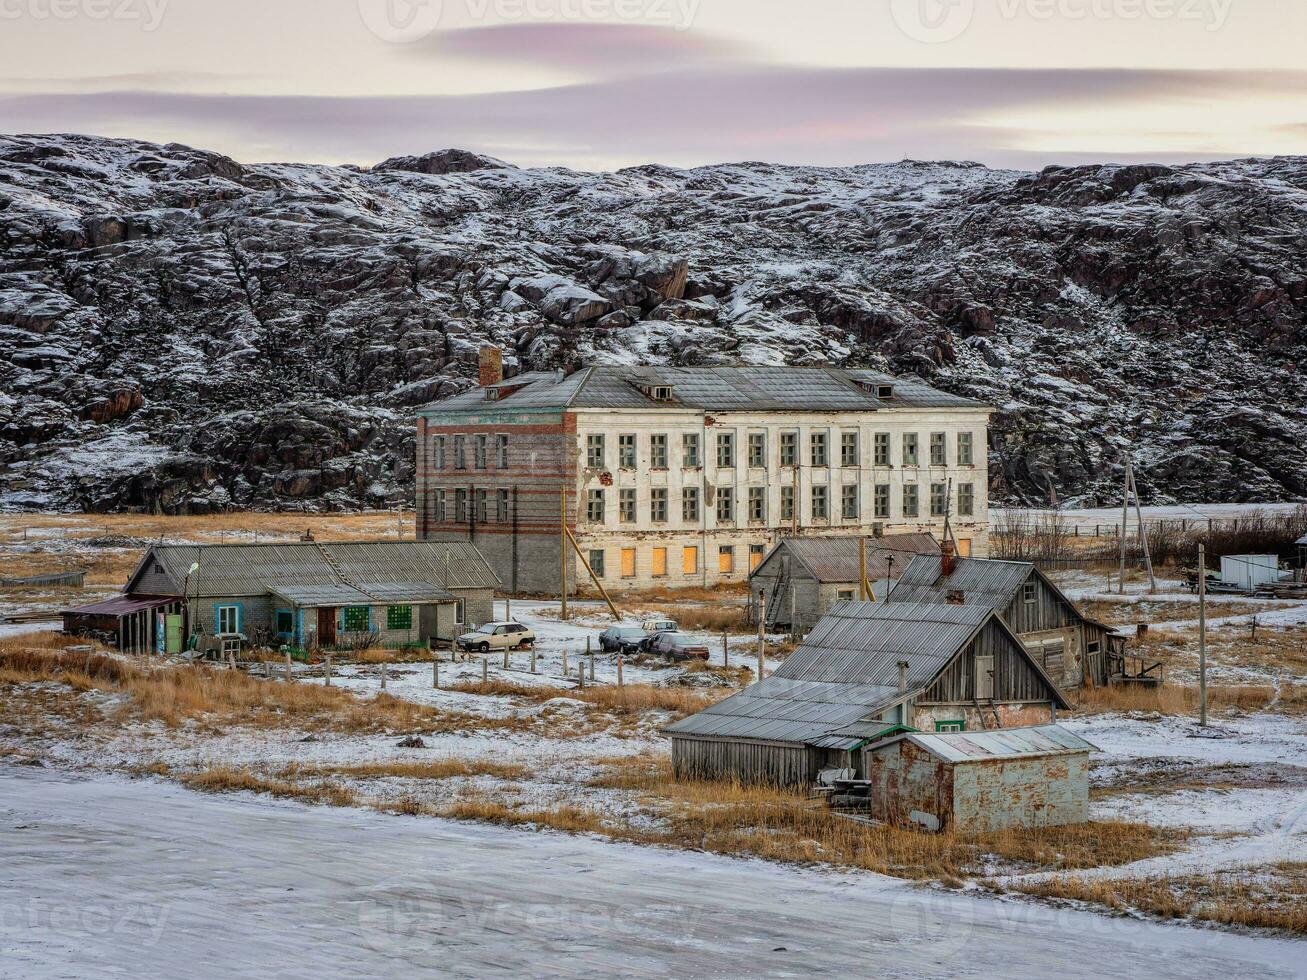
(104, 876)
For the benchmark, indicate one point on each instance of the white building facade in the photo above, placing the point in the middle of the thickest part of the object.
(680, 477)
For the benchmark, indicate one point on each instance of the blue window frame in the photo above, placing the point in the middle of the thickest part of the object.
(228, 619)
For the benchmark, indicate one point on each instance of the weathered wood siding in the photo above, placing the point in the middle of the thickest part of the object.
(1046, 612)
(781, 764)
(1014, 678)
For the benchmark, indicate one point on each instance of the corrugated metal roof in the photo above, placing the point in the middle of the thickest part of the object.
(984, 582)
(777, 709)
(123, 605)
(716, 389)
(1003, 743)
(365, 594)
(251, 569)
(836, 559)
(863, 643)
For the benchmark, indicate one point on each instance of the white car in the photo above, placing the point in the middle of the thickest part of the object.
(496, 636)
(660, 626)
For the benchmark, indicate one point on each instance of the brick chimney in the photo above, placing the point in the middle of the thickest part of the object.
(947, 562)
(491, 363)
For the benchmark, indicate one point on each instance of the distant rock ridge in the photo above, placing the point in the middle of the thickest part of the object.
(183, 332)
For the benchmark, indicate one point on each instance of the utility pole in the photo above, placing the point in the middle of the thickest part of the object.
(762, 631)
(889, 577)
(1143, 531)
(1125, 517)
(1202, 635)
(562, 551)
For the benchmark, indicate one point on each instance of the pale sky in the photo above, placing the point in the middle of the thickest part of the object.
(602, 84)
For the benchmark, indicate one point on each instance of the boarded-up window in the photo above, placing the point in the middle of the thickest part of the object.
(628, 563)
(964, 547)
(756, 553)
(690, 560)
(399, 617)
(726, 559)
(659, 562)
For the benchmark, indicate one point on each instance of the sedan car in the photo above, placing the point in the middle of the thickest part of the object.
(623, 639)
(676, 646)
(496, 636)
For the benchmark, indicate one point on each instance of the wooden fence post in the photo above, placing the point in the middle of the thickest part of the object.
(726, 650)
(506, 658)
(580, 674)
(289, 676)
(564, 661)
(435, 674)
(328, 684)
(485, 670)
(592, 668)
(619, 670)
(533, 658)
(383, 675)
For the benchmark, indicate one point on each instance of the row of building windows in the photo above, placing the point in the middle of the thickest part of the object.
(755, 503)
(662, 560)
(453, 452)
(443, 458)
(819, 450)
(462, 505)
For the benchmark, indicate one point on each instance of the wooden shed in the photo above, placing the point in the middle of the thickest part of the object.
(976, 782)
(132, 623)
(865, 670)
(1074, 649)
(803, 578)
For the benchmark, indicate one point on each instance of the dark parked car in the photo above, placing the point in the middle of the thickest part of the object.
(676, 646)
(623, 639)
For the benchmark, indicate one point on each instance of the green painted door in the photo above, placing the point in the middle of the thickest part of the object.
(173, 626)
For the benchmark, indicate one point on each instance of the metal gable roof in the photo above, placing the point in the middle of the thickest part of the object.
(714, 389)
(778, 709)
(252, 569)
(863, 643)
(985, 582)
(365, 594)
(837, 559)
(1003, 743)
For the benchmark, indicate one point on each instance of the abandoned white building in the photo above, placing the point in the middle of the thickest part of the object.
(687, 476)
(868, 671)
(802, 578)
(1073, 649)
(306, 594)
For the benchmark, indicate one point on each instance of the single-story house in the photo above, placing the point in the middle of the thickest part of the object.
(868, 670)
(312, 594)
(803, 578)
(975, 782)
(1072, 648)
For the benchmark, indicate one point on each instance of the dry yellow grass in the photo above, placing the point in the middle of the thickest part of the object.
(221, 779)
(173, 695)
(1176, 700)
(1262, 898)
(443, 768)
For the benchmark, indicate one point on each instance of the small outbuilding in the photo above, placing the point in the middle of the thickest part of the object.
(803, 578)
(1250, 572)
(1302, 556)
(976, 782)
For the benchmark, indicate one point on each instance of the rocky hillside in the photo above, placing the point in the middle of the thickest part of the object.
(181, 331)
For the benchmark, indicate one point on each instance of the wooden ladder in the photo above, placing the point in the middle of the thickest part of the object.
(331, 563)
(988, 712)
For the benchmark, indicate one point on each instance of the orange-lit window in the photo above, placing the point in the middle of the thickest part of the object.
(660, 561)
(690, 561)
(628, 563)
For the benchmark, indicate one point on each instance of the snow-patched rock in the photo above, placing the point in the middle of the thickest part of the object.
(258, 335)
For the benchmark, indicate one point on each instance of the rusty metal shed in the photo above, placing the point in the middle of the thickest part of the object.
(975, 782)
